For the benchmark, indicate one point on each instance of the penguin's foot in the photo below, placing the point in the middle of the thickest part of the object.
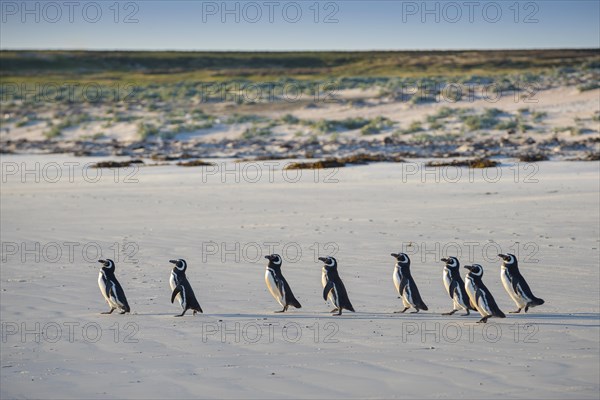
(483, 320)
(194, 312)
(516, 312)
(339, 312)
(108, 312)
(279, 311)
(415, 312)
(334, 310)
(467, 314)
(450, 313)
(527, 307)
(401, 312)
(123, 312)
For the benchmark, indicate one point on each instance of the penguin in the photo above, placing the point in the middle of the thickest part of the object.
(182, 290)
(479, 294)
(405, 284)
(277, 284)
(111, 288)
(515, 284)
(333, 287)
(455, 286)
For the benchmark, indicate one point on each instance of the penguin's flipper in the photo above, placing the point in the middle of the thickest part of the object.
(176, 291)
(107, 288)
(328, 288)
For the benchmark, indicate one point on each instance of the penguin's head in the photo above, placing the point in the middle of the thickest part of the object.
(451, 262)
(180, 264)
(402, 259)
(508, 259)
(475, 270)
(274, 259)
(108, 264)
(330, 262)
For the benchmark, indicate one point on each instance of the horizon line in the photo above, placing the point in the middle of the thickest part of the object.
(299, 51)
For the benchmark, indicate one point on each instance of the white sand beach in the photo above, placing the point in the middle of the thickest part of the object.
(224, 219)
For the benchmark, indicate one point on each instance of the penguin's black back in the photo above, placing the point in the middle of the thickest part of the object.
(112, 278)
(343, 299)
(190, 296)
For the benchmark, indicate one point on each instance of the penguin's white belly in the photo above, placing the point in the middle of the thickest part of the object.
(520, 301)
(112, 301)
(447, 280)
(173, 286)
(459, 302)
(324, 282)
(333, 296)
(397, 279)
(472, 293)
(272, 286)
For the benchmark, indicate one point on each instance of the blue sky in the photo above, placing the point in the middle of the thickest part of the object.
(299, 25)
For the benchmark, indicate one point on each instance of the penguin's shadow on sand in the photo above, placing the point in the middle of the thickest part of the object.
(546, 319)
(555, 319)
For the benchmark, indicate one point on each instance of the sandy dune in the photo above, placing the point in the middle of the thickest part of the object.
(553, 225)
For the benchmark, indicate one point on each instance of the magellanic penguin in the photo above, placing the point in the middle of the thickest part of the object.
(111, 288)
(277, 284)
(479, 294)
(455, 286)
(334, 288)
(405, 284)
(182, 290)
(515, 284)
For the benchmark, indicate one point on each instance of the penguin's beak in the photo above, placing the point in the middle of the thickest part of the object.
(173, 261)
(502, 256)
(469, 267)
(394, 255)
(102, 261)
(268, 258)
(324, 259)
(444, 260)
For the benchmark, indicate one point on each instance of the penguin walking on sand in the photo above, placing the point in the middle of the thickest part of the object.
(277, 284)
(111, 288)
(515, 284)
(333, 287)
(479, 294)
(405, 284)
(455, 286)
(182, 290)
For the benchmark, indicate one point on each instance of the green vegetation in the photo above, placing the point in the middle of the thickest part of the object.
(163, 67)
(243, 118)
(376, 125)
(146, 130)
(54, 132)
(256, 132)
(486, 120)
